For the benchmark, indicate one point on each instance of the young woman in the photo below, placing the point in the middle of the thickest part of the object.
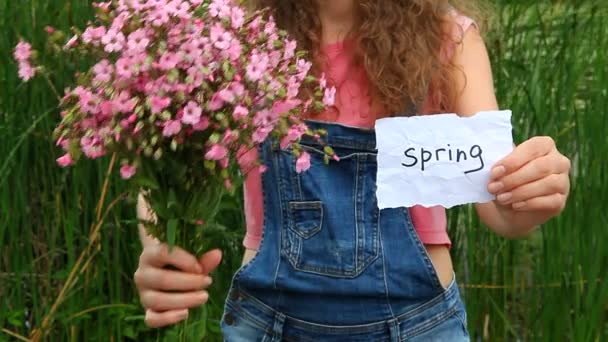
(329, 265)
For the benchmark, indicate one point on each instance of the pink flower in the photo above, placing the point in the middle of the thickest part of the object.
(329, 98)
(127, 171)
(172, 128)
(294, 133)
(293, 87)
(240, 112)
(158, 104)
(89, 102)
(103, 71)
(283, 107)
(138, 41)
(92, 147)
(168, 61)
(303, 162)
(192, 113)
(303, 67)
(182, 10)
(254, 25)
(227, 184)
(290, 49)
(271, 27)
(106, 109)
(72, 43)
(93, 34)
(202, 124)
(195, 77)
(226, 95)
(23, 51)
(105, 6)
(237, 88)
(191, 51)
(237, 18)
(235, 50)
(119, 22)
(257, 67)
(265, 118)
(219, 8)
(26, 71)
(158, 17)
(124, 67)
(220, 38)
(65, 160)
(216, 152)
(230, 136)
(323, 81)
(113, 41)
(260, 134)
(124, 103)
(216, 102)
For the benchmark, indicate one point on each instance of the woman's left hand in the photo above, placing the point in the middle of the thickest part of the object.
(532, 183)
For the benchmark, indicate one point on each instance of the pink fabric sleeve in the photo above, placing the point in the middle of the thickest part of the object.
(254, 201)
(430, 224)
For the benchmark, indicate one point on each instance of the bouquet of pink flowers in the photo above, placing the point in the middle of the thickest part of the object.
(178, 91)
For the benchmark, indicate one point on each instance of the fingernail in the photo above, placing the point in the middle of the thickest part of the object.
(495, 187)
(182, 314)
(519, 205)
(498, 171)
(203, 296)
(207, 281)
(505, 197)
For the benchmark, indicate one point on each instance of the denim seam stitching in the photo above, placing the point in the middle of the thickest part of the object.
(281, 195)
(424, 306)
(431, 272)
(358, 218)
(428, 325)
(250, 317)
(298, 231)
(388, 299)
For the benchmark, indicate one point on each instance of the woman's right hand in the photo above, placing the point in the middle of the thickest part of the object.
(167, 294)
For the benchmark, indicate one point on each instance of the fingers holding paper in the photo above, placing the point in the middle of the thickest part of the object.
(534, 177)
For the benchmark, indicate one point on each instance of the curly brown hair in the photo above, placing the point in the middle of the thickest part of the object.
(399, 43)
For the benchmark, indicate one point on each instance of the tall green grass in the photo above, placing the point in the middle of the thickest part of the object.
(551, 69)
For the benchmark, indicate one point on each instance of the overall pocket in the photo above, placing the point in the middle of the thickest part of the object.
(330, 222)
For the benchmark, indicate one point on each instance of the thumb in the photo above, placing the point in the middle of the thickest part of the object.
(210, 260)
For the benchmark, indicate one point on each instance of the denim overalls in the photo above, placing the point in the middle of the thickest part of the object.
(331, 265)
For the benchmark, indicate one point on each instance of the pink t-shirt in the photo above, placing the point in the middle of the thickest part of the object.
(354, 108)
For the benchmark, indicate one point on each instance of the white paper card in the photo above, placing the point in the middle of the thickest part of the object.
(439, 159)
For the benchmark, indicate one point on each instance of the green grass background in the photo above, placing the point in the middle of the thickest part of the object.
(550, 66)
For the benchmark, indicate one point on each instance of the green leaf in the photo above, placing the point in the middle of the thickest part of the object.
(171, 232)
(172, 200)
(145, 182)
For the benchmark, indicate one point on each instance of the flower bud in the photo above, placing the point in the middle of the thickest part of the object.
(158, 154)
(209, 165)
(139, 126)
(148, 151)
(165, 115)
(215, 138)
